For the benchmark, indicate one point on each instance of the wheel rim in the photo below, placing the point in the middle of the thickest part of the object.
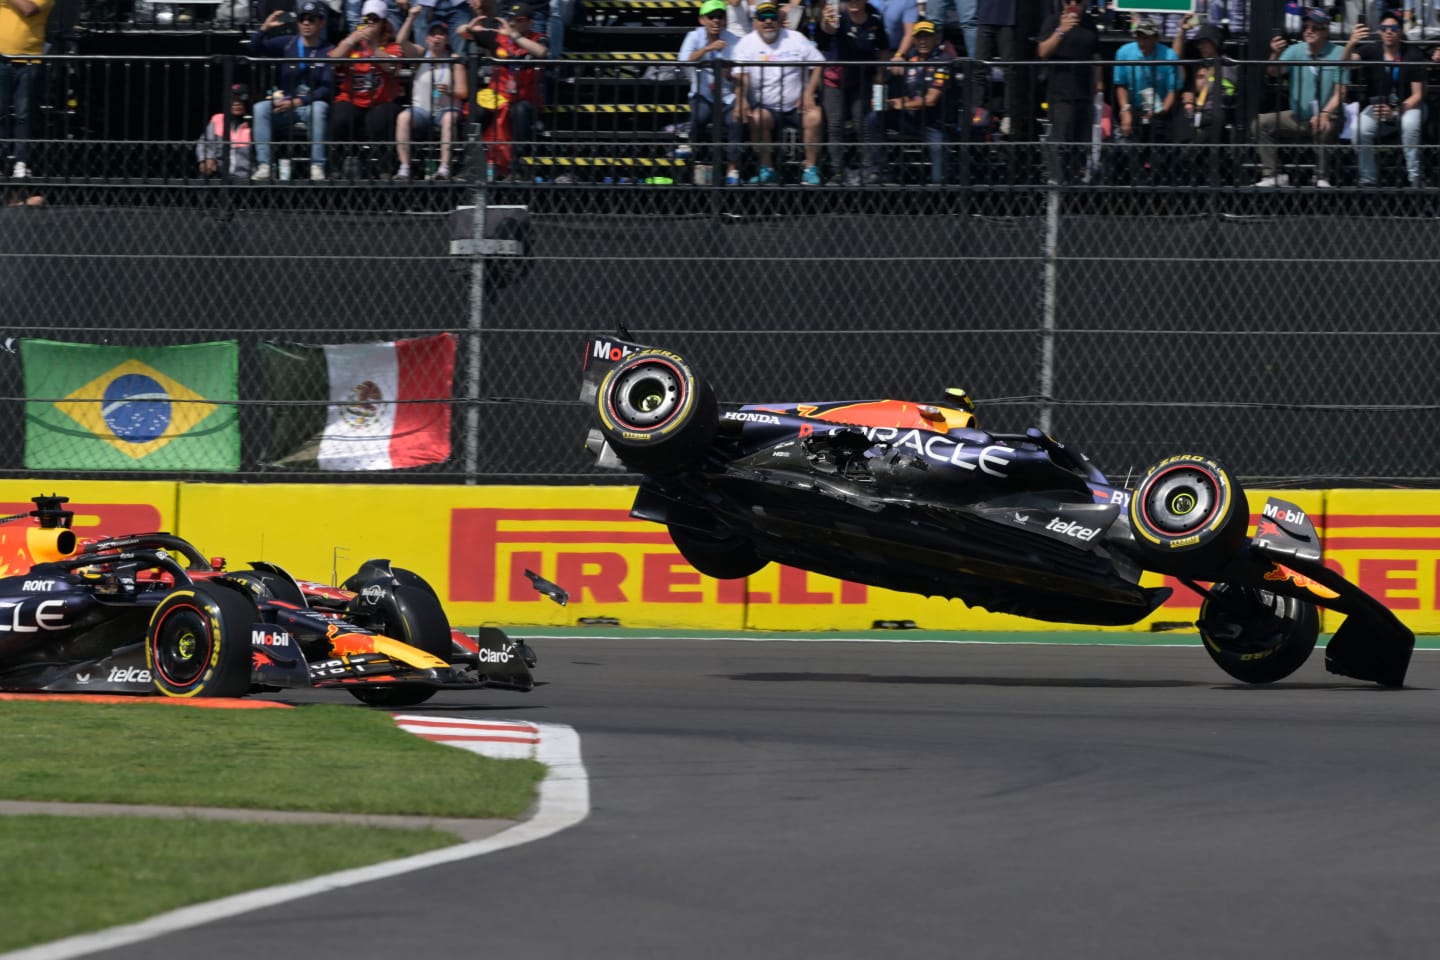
(1182, 501)
(182, 646)
(646, 396)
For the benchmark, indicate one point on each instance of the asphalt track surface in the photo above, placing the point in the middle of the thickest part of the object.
(927, 800)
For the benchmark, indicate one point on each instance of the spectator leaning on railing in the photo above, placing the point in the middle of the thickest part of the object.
(706, 44)
(22, 34)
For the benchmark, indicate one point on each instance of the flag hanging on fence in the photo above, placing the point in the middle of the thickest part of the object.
(91, 407)
(360, 406)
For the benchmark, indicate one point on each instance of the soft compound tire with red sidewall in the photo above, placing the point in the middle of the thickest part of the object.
(1188, 516)
(198, 642)
(655, 412)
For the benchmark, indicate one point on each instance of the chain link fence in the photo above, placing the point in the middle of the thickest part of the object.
(1162, 307)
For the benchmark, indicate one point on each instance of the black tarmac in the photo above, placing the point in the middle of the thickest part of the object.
(866, 800)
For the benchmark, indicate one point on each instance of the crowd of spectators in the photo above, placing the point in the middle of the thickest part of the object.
(357, 84)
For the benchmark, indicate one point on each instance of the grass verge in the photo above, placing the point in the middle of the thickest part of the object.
(74, 875)
(314, 758)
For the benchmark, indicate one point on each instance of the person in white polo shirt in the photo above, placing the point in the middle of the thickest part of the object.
(778, 86)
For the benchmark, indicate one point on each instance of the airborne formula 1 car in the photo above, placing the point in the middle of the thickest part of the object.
(148, 613)
(915, 497)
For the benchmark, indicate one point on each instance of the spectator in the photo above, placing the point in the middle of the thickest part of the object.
(770, 97)
(1316, 96)
(1394, 96)
(437, 95)
(452, 14)
(918, 112)
(1210, 87)
(857, 33)
(511, 104)
(738, 17)
(998, 37)
(1072, 34)
(214, 143)
(302, 91)
(710, 42)
(22, 34)
(900, 19)
(1146, 93)
(367, 81)
(959, 20)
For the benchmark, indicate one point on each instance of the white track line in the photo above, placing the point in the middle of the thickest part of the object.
(563, 802)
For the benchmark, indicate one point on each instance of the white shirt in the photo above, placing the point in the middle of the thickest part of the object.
(702, 82)
(422, 90)
(777, 87)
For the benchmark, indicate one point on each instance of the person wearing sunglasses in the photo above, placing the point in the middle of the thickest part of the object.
(301, 92)
(1394, 87)
(778, 81)
(1317, 94)
(367, 82)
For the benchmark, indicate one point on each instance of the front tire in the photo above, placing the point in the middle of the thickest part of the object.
(655, 412)
(198, 642)
(1257, 636)
(412, 614)
(1188, 517)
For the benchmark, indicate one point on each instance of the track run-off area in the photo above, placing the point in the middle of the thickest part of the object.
(1018, 799)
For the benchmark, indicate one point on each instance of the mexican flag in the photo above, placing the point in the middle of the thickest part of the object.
(93, 407)
(359, 406)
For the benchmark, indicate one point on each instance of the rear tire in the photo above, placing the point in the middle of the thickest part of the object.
(1256, 636)
(198, 642)
(1188, 516)
(656, 414)
(724, 559)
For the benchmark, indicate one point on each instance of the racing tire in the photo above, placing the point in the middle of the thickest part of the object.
(1188, 517)
(411, 614)
(655, 412)
(729, 558)
(198, 642)
(1257, 636)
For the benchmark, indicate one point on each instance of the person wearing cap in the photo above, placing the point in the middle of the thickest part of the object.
(511, 103)
(778, 86)
(1146, 92)
(918, 113)
(1210, 86)
(301, 91)
(438, 93)
(706, 44)
(22, 34)
(216, 141)
(367, 80)
(1317, 96)
(1394, 96)
(852, 34)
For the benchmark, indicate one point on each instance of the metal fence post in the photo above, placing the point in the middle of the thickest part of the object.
(476, 314)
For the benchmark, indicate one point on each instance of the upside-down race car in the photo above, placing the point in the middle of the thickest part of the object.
(915, 497)
(148, 613)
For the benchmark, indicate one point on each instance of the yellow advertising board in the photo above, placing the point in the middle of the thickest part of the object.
(475, 544)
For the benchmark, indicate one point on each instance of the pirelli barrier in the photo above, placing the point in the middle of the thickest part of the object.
(474, 544)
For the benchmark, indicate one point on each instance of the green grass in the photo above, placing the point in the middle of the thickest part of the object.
(66, 875)
(328, 758)
(124, 869)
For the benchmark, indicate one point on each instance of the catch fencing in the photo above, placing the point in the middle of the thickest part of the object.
(1157, 309)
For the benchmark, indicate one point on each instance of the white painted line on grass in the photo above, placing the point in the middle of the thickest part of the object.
(564, 801)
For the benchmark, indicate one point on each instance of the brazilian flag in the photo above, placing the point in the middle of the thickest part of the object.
(93, 407)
